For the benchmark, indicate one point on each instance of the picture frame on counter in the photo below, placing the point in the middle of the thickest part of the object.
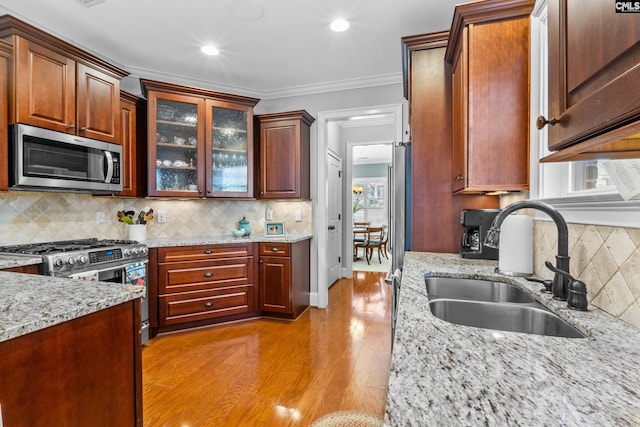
(274, 229)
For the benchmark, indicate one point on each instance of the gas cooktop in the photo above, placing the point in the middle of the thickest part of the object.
(45, 248)
(67, 257)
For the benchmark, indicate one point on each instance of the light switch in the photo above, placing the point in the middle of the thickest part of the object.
(162, 216)
(269, 215)
(298, 216)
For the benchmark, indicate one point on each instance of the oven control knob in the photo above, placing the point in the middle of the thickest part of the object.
(71, 261)
(58, 263)
(135, 251)
(82, 259)
(127, 252)
(144, 250)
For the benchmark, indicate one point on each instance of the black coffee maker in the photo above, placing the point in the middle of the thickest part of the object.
(476, 223)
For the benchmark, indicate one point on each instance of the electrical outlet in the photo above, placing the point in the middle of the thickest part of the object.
(298, 216)
(100, 218)
(269, 215)
(162, 217)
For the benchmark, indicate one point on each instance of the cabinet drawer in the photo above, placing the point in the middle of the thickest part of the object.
(202, 252)
(193, 276)
(275, 248)
(193, 306)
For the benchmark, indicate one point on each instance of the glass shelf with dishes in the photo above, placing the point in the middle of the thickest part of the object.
(176, 146)
(200, 142)
(230, 153)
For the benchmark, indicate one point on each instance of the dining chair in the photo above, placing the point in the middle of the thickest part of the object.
(360, 240)
(376, 237)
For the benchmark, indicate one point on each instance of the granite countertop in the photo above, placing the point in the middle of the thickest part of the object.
(11, 261)
(222, 239)
(30, 302)
(444, 374)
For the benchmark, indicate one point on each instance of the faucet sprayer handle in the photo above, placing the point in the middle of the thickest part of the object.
(558, 271)
(577, 289)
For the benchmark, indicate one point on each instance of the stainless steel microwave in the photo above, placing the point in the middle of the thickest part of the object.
(46, 160)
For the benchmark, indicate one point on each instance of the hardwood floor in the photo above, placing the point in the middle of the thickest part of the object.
(272, 372)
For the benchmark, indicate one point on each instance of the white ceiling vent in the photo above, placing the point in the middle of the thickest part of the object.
(89, 3)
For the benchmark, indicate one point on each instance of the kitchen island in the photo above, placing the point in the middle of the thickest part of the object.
(71, 352)
(448, 374)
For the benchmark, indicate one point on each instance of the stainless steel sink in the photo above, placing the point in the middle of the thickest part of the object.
(493, 305)
(475, 290)
(532, 318)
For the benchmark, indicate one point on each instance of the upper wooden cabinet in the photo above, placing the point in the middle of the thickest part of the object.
(133, 141)
(284, 154)
(5, 66)
(488, 51)
(594, 70)
(200, 143)
(60, 87)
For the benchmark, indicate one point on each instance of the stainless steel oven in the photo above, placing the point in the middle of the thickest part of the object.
(115, 261)
(133, 273)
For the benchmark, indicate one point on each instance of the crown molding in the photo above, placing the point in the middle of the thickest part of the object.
(388, 79)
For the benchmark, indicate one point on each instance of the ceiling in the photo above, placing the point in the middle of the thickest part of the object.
(268, 48)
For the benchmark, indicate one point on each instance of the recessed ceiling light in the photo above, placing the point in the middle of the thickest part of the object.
(209, 50)
(339, 25)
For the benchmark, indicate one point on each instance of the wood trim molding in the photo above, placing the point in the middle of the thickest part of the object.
(147, 85)
(481, 12)
(11, 26)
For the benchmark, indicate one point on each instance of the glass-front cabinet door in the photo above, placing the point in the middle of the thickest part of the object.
(229, 153)
(175, 147)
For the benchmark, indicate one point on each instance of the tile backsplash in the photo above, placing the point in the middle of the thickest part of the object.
(27, 217)
(607, 259)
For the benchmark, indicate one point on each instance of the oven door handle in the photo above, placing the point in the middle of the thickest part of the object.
(109, 158)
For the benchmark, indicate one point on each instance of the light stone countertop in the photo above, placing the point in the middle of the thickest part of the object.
(222, 239)
(444, 374)
(11, 261)
(30, 302)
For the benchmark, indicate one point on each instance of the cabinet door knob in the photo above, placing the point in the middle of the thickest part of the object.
(208, 274)
(274, 249)
(72, 126)
(541, 122)
(459, 177)
(208, 304)
(208, 251)
(83, 128)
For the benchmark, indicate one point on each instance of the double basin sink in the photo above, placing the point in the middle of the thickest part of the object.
(493, 305)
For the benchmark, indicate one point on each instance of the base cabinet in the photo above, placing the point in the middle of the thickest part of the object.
(284, 278)
(205, 284)
(83, 372)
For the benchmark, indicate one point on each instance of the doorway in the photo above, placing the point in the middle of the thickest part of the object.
(371, 167)
(320, 264)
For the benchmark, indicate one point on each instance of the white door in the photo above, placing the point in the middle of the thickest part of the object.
(334, 205)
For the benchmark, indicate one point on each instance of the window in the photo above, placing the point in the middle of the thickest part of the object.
(369, 202)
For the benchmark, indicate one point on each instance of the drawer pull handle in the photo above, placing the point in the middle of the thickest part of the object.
(274, 249)
(208, 251)
(208, 274)
(208, 304)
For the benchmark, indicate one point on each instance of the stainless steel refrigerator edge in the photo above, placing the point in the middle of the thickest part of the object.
(398, 184)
